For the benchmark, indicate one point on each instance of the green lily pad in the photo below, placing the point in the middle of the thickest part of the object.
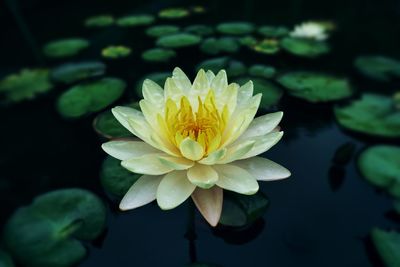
(157, 77)
(135, 20)
(273, 31)
(240, 210)
(173, 13)
(214, 46)
(72, 72)
(162, 30)
(396, 99)
(199, 29)
(304, 47)
(25, 85)
(248, 40)
(213, 64)
(89, 97)
(235, 68)
(378, 67)
(267, 46)
(178, 40)
(115, 51)
(47, 232)
(99, 21)
(271, 94)
(262, 71)
(5, 260)
(65, 47)
(380, 165)
(372, 114)
(315, 87)
(387, 244)
(158, 55)
(116, 179)
(235, 28)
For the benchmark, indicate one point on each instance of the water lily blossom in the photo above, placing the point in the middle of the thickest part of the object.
(197, 139)
(310, 30)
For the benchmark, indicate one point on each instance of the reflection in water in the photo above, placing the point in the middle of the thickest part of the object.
(337, 172)
(240, 235)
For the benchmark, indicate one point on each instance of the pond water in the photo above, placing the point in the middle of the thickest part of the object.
(322, 215)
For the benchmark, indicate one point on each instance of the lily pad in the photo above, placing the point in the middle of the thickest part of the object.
(162, 30)
(199, 29)
(116, 179)
(116, 51)
(135, 20)
(157, 77)
(214, 46)
(89, 97)
(25, 85)
(372, 114)
(240, 210)
(248, 40)
(72, 72)
(378, 67)
(235, 28)
(65, 47)
(267, 46)
(273, 31)
(262, 71)
(173, 13)
(47, 232)
(158, 55)
(387, 244)
(380, 165)
(5, 260)
(235, 68)
(99, 21)
(315, 87)
(178, 40)
(213, 64)
(304, 47)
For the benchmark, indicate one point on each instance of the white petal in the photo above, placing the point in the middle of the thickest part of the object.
(142, 192)
(263, 169)
(220, 82)
(235, 152)
(153, 93)
(233, 178)
(203, 176)
(172, 91)
(176, 163)
(181, 80)
(214, 157)
(124, 150)
(263, 143)
(228, 97)
(245, 92)
(146, 164)
(209, 203)
(262, 125)
(210, 76)
(174, 189)
(201, 84)
(191, 149)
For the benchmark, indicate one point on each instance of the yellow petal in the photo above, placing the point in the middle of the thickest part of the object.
(203, 176)
(213, 157)
(124, 150)
(146, 164)
(234, 178)
(209, 203)
(191, 149)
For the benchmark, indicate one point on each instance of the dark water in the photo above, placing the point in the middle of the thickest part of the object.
(312, 220)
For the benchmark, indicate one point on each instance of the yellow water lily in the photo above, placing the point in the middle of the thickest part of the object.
(197, 139)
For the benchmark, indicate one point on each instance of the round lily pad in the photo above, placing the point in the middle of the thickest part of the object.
(72, 72)
(378, 67)
(65, 47)
(115, 51)
(262, 71)
(235, 68)
(157, 77)
(178, 40)
(135, 20)
(89, 97)
(372, 114)
(214, 46)
(380, 165)
(116, 179)
(162, 30)
(315, 87)
(271, 94)
(267, 46)
(5, 260)
(235, 28)
(387, 244)
(25, 85)
(273, 31)
(199, 29)
(158, 55)
(305, 47)
(99, 21)
(173, 13)
(248, 40)
(47, 232)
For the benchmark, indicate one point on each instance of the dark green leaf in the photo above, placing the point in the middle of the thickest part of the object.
(388, 246)
(72, 72)
(65, 47)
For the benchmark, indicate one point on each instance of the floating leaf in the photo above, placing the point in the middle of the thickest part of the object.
(267, 46)
(213, 64)
(162, 30)
(158, 55)
(304, 47)
(378, 67)
(157, 77)
(271, 94)
(198, 9)
(235, 28)
(72, 72)
(118, 51)
(106, 125)
(372, 114)
(65, 47)
(173, 13)
(214, 46)
(25, 85)
(46, 233)
(5, 260)
(262, 71)
(235, 68)
(248, 40)
(116, 179)
(273, 31)
(178, 40)
(315, 87)
(135, 20)
(89, 97)
(199, 29)
(99, 21)
(380, 165)
(387, 243)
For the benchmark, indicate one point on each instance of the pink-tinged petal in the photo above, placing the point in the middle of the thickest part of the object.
(209, 203)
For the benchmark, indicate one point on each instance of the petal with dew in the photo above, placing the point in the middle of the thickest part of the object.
(173, 190)
(191, 149)
(124, 150)
(142, 192)
(209, 203)
(236, 179)
(263, 143)
(146, 164)
(262, 125)
(181, 80)
(203, 176)
(263, 169)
